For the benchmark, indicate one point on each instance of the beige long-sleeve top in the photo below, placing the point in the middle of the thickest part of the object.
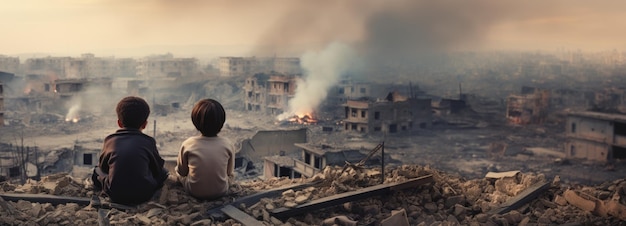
(204, 165)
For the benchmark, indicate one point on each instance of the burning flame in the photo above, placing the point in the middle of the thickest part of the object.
(303, 118)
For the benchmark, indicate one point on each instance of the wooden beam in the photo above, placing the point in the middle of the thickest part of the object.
(45, 198)
(56, 200)
(240, 216)
(283, 212)
(520, 199)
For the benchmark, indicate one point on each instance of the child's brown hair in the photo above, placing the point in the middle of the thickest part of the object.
(208, 116)
(132, 112)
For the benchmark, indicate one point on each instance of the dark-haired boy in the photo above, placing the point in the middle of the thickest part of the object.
(130, 169)
(205, 163)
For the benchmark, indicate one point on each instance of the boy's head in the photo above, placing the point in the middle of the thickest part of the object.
(132, 112)
(208, 116)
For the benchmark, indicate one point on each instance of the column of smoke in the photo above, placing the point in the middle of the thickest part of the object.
(73, 113)
(322, 70)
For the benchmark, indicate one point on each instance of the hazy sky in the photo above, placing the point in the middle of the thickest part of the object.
(288, 27)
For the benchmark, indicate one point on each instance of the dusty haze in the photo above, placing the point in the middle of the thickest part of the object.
(188, 27)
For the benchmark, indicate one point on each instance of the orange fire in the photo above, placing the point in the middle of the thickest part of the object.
(306, 118)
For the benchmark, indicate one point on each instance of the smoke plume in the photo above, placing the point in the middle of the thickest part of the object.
(321, 70)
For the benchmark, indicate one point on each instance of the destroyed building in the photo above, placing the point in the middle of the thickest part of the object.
(528, 107)
(596, 136)
(242, 66)
(348, 89)
(310, 160)
(269, 93)
(9, 64)
(394, 114)
(166, 66)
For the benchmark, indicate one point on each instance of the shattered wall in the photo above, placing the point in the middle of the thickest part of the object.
(269, 143)
(595, 136)
(411, 114)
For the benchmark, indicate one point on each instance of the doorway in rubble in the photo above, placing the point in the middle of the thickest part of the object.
(619, 152)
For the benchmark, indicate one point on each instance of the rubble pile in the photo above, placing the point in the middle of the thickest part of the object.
(450, 200)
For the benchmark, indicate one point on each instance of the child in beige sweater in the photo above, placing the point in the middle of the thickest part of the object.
(206, 162)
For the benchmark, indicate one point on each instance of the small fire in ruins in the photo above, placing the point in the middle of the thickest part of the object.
(73, 114)
(303, 119)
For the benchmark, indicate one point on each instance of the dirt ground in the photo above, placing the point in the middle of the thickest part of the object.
(457, 150)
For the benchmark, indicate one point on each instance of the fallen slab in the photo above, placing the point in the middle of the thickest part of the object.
(519, 200)
(240, 216)
(397, 218)
(283, 212)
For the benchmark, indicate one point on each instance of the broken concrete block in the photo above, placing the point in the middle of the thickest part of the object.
(339, 220)
(560, 200)
(451, 201)
(616, 209)
(513, 217)
(269, 206)
(143, 219)
(202, 222)
(431, 207)
(574, 199)
(397, 218)
(301, 199)
(289, 193)
(290, 204)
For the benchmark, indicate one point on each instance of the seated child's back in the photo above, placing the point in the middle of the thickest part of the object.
(206, 162)
(130, 163)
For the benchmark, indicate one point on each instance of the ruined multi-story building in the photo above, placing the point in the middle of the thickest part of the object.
(242, 66)
(310, 160)
(166, 66)
(394, 114)
(269, 93)
(9, 64)
(52, 66)
(528, 107)
(348, 89)
(596, 136)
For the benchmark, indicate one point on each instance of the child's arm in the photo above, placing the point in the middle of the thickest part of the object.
(182, 166)
(231, 163)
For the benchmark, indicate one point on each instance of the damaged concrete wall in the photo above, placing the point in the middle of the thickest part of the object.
(393, 117)
(269, 143)
(592, 135)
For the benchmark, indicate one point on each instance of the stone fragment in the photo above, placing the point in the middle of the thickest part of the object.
(451, 201)
(397, 218)
(301, 199)
(266, 215)
(202, 222)
(339, 220)
(616, 209)
(574, 199)
(347, 206)
(481, 217)
(36, 210)
(153, 212)
(23, 205)
(275, 221)
(289, 193)
(524, 221)
(459, 211)
(513, 217)
(143, 219)
(290, 204)
(269, 206)
(560, 200)
(431, 207)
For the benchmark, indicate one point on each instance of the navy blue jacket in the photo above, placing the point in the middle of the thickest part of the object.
(133, 166)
